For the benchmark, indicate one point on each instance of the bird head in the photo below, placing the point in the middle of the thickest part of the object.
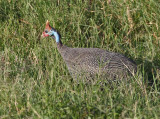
(50, 31)
(46, 30)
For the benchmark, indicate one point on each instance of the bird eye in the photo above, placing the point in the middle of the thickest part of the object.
(46, 31)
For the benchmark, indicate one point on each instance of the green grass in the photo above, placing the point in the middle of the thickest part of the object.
(34, 80)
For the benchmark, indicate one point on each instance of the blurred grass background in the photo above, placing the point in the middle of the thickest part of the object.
(34, 80)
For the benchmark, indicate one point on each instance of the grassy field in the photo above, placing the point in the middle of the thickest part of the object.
(34, 80)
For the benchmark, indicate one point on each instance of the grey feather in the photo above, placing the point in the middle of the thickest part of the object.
(93, 61)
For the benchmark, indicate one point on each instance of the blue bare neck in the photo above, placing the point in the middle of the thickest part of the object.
(54, 33)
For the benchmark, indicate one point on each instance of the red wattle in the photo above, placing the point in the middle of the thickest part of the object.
(45, 35)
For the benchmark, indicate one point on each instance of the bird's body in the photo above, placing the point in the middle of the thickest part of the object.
(92, 61)
(89, 62)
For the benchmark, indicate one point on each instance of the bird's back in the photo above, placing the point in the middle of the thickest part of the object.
(93, 61)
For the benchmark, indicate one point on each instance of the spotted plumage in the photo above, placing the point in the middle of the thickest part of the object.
(90, 62)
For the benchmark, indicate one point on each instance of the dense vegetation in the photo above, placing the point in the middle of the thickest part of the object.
(34, 80)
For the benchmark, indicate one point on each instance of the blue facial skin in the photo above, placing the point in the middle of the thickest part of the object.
(54, 33)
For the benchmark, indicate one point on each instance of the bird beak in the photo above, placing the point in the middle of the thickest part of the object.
(44, 35)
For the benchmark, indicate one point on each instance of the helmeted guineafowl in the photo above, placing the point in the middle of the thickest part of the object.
(92, 61)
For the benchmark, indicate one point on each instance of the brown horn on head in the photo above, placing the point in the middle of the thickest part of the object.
(47, 22)
(47, 25)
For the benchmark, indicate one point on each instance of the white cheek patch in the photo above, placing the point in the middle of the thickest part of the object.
(50, 33)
